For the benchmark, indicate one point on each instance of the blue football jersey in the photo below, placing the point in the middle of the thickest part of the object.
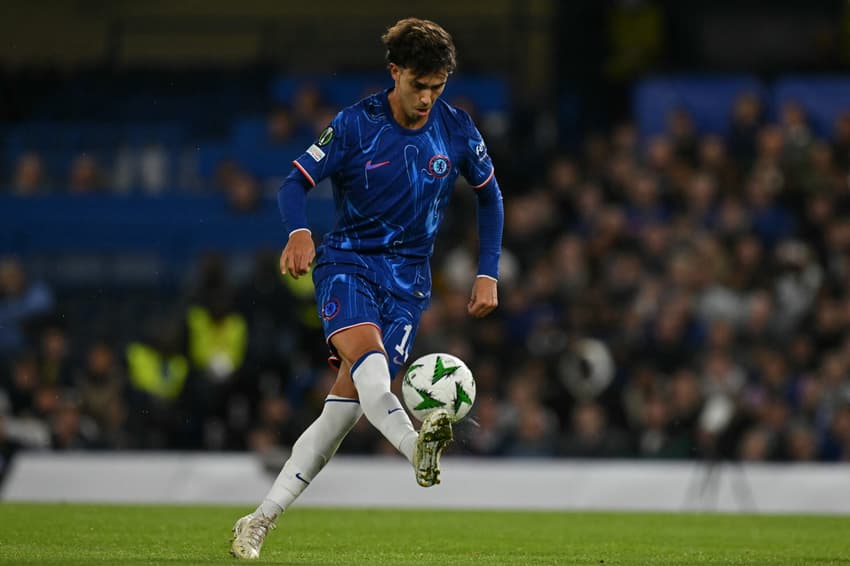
(392, 184)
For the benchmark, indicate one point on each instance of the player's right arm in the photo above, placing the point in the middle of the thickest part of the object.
(322, 159)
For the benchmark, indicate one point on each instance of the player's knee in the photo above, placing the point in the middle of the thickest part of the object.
(352, 344)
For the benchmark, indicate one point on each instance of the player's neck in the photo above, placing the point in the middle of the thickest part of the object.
(400, 117)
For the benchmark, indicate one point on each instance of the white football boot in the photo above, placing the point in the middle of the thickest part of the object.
(435, 434)
(249, 532)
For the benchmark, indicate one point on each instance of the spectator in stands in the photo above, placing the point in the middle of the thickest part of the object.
(226, 173)
(55, 363)
(563, 179)
(21, 385)
(217, 343)
(489, 437)
(158, 371)
(29, 177)
(655, 439)
(685, 406)
(841, 141)
(535, 434)
(243, 194)
(797, 138)
(268, 307)
(280, 126)
(683, 135)
(141, 167)
(700, 201)
(22, 304)
(85, 175)
(801, 444)
(836, 445)
(591, 436)
(747, 117)
(306, 105)
(756, 446)
(217, 336)
(660, 159)
(644, 204)
(276, 417)
(20, 426)
(534, 427)
(101, 386)
(69, 429)
(714, 161)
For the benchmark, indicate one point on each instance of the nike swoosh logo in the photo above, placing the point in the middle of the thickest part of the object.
(370, 165)
(391, 411)
(298, 475)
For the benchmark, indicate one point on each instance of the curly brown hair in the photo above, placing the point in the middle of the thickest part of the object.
(421, 46)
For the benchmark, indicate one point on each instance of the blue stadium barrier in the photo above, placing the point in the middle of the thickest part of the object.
(209, 156)
(488, 93)
(250, 147)
(176, 227)
(709, 99)
(249, 132)
(168, 133)
(823, 98)
(268, 161)
(338, 91)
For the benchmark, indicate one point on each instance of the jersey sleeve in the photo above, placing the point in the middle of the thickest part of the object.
(476, 167)
(324, 157)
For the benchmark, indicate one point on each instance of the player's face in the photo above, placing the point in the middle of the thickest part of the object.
(414, 95)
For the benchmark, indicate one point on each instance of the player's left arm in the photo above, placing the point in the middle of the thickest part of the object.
(491, 218)
(477, 167)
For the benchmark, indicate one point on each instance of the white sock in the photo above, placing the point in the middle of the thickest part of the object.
(371, 376)
(313, 449)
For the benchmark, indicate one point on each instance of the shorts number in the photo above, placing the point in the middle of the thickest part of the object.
(401, 348)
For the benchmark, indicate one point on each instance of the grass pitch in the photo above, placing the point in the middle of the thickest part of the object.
(109, 534)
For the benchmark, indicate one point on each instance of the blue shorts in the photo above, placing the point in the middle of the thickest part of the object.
(388, 292)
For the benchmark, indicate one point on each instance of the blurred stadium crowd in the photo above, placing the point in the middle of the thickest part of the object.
(678, 295)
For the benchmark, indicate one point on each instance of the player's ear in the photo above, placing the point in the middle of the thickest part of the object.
(395, 71)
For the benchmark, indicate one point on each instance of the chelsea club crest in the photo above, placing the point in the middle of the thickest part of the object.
(439, 166)
(330, 309)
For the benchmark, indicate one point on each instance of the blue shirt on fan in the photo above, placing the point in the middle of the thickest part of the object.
(392, 184)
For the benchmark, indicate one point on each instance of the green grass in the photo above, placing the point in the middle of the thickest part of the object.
(100, 534)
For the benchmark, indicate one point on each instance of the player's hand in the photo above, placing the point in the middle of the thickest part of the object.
(485, 297)
(298, 254)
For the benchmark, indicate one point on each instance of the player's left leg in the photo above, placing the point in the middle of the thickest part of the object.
(316, 445)
(313, 449)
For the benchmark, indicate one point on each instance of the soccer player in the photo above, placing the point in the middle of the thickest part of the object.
(393, 158)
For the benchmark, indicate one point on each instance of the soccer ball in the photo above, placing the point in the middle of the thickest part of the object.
(438, 381)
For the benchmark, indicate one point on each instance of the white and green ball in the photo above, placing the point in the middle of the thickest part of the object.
(438, 381)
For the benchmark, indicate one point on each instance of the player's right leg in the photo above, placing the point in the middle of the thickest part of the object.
(401, 319)
(313, 449)
(355, 311)
(350, 309)
(370, 374)
(362, 347)
(434, 435)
